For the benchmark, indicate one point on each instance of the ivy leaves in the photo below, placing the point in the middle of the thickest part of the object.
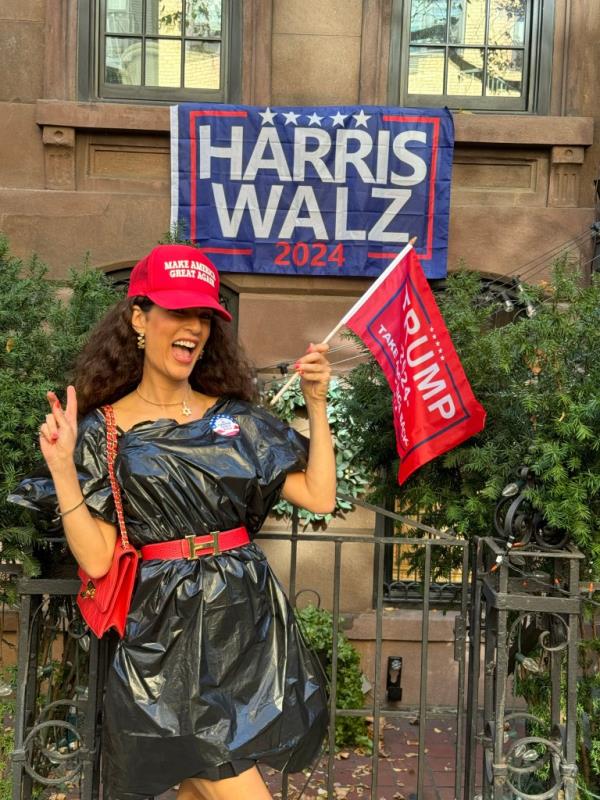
(352, 474)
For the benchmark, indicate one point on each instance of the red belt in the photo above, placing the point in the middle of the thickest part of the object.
(192, 547)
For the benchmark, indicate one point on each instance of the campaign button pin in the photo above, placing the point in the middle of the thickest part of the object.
(224, 425)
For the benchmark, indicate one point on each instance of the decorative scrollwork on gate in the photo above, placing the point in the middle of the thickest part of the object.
(56, 661)
(526, 756)
(52, 746)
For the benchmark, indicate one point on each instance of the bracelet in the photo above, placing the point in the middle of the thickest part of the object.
(68, 511)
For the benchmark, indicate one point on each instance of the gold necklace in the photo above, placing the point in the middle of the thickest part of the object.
(185, 409)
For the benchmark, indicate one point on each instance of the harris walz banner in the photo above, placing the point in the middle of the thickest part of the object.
(335, 190)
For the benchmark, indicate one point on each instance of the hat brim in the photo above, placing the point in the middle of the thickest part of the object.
(174, 299)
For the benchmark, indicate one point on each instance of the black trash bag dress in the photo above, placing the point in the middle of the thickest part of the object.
(212, 674)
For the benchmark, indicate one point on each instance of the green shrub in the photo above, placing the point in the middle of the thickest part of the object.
(538, 378)
(43, 325)
(317, 626)
(352, 474)
(535, 688)
(7, 739)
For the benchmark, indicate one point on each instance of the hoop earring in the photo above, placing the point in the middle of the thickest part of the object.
(141, 340)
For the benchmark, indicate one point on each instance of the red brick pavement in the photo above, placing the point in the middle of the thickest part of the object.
(398, 766)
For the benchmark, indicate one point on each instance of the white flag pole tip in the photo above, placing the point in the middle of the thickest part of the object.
(349, 313)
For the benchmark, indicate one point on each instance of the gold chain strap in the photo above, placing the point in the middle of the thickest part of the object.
(111, 454)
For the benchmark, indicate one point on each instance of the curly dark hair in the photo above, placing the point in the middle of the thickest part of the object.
(110, 364)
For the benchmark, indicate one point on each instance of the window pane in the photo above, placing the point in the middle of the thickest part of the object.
(467, 21)
(426, 70)
(465, 71)
(123, 16)
(505, 73)
(163, 17)
(507, 22)
(202, 65)
(428, 20)
(123, 60)
(203, 18)
(163, 62)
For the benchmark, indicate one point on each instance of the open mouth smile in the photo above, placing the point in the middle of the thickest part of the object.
(183, 350)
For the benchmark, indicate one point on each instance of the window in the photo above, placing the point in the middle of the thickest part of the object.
(475, 54)
(164, 49)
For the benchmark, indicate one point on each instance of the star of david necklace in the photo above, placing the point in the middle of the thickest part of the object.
(185, 409)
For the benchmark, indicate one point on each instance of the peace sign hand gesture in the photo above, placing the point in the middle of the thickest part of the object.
(59, 433)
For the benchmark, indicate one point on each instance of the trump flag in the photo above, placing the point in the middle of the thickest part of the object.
(433, 405)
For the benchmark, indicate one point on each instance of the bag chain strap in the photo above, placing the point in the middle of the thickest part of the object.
(111, 454)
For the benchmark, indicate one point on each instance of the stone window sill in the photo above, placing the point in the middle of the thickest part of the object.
(496, 129)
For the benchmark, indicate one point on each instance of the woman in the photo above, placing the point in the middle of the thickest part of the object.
(212, 675)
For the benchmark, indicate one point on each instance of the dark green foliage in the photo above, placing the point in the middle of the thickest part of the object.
(8, 678)
(538, 379)
(317, 626)
(43, 324)
(351, 472)
(535, 688)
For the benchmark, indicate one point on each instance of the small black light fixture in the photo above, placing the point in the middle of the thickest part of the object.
(394, 679)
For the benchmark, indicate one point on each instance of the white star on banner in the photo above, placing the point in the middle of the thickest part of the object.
(361, 118)
(314, 119)
(267, 116)
(338, 118)
(291, 118)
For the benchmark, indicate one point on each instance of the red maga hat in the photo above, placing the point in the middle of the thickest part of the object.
(177, 276)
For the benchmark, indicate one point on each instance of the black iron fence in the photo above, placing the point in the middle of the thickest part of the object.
(499, 751)
(529, 613)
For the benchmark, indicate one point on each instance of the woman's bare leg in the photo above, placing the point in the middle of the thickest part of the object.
(249, 784)
(187, 791)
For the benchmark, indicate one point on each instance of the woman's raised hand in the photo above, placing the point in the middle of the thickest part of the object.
(58, 433)
(315, 372)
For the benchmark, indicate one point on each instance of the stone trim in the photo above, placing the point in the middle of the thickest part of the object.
(60, 52)
(257, 51)
(494, 129)
(103, 116)
(375, 52)
(59, 157)
(519, 129)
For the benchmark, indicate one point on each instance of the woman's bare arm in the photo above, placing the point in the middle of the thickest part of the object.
(314, 489)
(91, 540)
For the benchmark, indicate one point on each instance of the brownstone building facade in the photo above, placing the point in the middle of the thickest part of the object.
(84, 130)
(84, 162)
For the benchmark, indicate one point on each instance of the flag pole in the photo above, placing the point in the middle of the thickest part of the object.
(361, 300)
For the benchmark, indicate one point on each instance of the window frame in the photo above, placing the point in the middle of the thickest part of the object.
(91, 83)
(537, 67)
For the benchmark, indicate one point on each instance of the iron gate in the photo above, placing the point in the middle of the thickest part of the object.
(495, 748)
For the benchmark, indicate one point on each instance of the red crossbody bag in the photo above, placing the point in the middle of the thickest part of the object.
(104, 602)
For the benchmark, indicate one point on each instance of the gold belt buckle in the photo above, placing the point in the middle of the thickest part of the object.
(195, 547)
